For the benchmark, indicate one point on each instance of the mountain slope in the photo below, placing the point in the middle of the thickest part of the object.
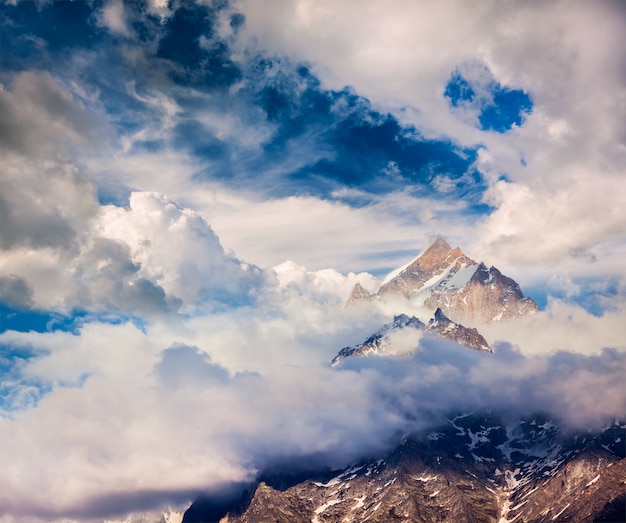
(475, 469)
(480, 467)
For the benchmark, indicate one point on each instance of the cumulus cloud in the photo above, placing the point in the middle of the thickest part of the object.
(327, 282)
(177, 249)
(40, 117)
(166, 411)
(150, 258)
(44, 197)
(564, 326)
(566, 219)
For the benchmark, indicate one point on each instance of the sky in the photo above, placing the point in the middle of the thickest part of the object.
(190, 189)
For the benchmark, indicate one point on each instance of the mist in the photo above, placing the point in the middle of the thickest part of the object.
(215, 400)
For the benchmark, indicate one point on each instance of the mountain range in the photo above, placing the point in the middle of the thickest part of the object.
(446, 283)
(475, 467)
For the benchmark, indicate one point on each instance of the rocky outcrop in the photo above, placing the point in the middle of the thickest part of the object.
(437, 260)
(359, 294)
(382, 341)
(456, 332)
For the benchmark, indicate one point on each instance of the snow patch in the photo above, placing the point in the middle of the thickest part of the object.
(557, 515)
(390, 482)
(425, 479)
(519, 505)
(462, 277)
(359, 502)
(593, 481)
(328, 504)
(529, 492)
(347, 475)
(504, 512)
(510, 478)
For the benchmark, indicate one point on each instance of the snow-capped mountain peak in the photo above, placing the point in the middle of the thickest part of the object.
(444, 277)
(434, 264)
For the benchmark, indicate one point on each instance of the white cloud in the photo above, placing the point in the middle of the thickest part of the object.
(177, 249)
(325, 282)
(149, 258)
(568, 56)
(40, 118)
(201, 398)
(113, 17)
(546, 226)
(322, 234)
(565, 326)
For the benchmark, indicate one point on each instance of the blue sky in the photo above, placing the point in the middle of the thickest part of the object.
(199, 184)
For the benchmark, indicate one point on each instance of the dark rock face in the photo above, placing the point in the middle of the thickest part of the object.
(472, 469)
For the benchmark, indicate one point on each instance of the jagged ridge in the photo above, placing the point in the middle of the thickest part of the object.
(381, 342)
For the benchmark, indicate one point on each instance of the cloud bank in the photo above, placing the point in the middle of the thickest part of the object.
(123, 412)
